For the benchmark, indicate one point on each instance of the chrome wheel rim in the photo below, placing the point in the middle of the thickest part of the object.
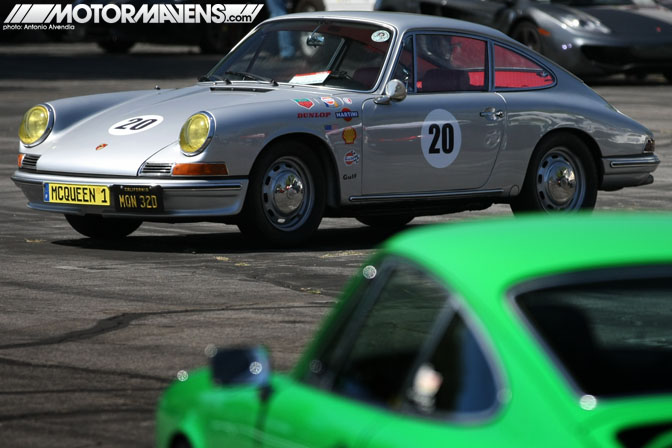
(287, 194)
(561, 183)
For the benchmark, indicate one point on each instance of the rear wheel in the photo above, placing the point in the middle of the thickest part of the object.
(286, 195)
(97, 227)
(527, 34)
(561, 177)
(386, 221)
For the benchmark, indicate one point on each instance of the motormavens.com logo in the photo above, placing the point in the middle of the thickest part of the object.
(41, 16)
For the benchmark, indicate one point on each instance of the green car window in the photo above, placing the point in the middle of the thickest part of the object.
(406, 347)
(607, 335)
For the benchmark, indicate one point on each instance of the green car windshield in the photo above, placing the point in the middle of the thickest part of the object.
(613, 338)
(348, 55)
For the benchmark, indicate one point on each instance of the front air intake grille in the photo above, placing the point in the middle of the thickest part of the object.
(30, 162)
(156, 169)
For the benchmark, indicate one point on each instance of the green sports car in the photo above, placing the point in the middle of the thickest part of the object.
(537, 332)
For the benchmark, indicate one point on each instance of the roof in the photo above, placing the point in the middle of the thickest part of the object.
(488, 257)
(403, 21)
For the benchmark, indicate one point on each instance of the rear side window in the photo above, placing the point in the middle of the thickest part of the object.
(614, 338)
(515, 71)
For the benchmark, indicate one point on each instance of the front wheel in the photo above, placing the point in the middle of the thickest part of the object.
(97, 227)
(286, 195)
(561, 177)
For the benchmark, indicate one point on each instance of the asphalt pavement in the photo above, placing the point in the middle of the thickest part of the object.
(92, 332)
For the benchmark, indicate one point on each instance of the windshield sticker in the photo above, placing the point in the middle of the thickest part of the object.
(304, 102)
(441, 138)
(330, 102)
(349, 135)
(347, 114)
(310, 78)
(380, 36)
(351, 158)
(133, 125)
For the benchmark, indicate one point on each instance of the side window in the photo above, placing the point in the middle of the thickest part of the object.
(456, 378)
(515, 71)
(390, 338)
(404, 70)
(450, 63)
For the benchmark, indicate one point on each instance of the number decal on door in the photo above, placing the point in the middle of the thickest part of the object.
(444, 133)
(134, 125)
(441, 138)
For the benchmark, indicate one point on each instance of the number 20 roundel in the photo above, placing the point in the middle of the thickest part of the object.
(133, 125)
(441, 138)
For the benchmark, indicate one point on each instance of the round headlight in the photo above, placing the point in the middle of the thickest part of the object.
(36, 125)
(196, 133)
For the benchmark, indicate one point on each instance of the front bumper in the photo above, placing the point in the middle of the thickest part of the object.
(182, 198)
(630, 171)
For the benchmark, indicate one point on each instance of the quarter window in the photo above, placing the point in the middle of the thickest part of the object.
(515, 71)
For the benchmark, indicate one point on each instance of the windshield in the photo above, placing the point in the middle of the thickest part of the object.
(587, 3)
(340, 54)
(613, 338)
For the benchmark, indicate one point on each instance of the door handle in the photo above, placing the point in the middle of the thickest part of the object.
(490, 113)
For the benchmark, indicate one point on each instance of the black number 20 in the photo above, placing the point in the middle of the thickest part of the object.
(138, 123)
(445, 133)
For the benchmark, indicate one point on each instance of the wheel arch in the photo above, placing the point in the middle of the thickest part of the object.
(594, 149)
(325, 156)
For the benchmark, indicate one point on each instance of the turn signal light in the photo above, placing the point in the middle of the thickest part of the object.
(20, 160)
(200, 169)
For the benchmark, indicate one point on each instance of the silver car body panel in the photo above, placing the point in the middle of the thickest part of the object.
(375, 150)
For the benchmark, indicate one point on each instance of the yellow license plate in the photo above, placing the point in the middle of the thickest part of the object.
(76, 194)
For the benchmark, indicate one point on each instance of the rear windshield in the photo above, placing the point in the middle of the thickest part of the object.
(614, 338)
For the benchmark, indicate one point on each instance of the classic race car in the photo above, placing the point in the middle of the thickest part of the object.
(380, 116)
(434, 345)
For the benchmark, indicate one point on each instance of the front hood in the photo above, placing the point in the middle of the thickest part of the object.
(91, 145)
(651, 21)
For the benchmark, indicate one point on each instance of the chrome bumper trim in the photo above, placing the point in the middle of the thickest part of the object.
(428, 195)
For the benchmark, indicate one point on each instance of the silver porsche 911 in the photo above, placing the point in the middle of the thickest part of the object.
(378, 116)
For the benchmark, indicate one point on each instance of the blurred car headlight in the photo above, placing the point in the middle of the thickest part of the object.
(589, 24)
(196, 133)
(36, 125)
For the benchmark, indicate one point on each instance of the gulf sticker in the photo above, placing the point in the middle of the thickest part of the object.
(304, 102)
(441, 138)
(347, 114)
(351, 158)
(349, 135)
(330, 102)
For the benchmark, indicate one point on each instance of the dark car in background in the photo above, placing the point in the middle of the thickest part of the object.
(588, 37)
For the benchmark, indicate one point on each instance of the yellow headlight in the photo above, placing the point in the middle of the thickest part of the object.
(195, 133)
(34, 125)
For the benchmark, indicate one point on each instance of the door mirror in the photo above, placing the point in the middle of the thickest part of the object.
(395, 90)
(241, 366)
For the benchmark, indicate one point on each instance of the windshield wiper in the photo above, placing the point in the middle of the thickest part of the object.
(252, 76)
(340, 74)
(214, 78)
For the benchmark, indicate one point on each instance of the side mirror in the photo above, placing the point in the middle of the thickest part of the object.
(395, 90)
(241, 366)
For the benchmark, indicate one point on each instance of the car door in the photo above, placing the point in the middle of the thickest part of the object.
(359, 371)
(446, 134)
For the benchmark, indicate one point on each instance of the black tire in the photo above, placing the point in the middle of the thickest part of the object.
(526, 33)
(574, 186)
(115, 46)
(386, 221)
(289, 216)
(97, 227)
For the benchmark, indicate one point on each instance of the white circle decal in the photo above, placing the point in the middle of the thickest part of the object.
(133, 125)
(380, 36)
(441, 138)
